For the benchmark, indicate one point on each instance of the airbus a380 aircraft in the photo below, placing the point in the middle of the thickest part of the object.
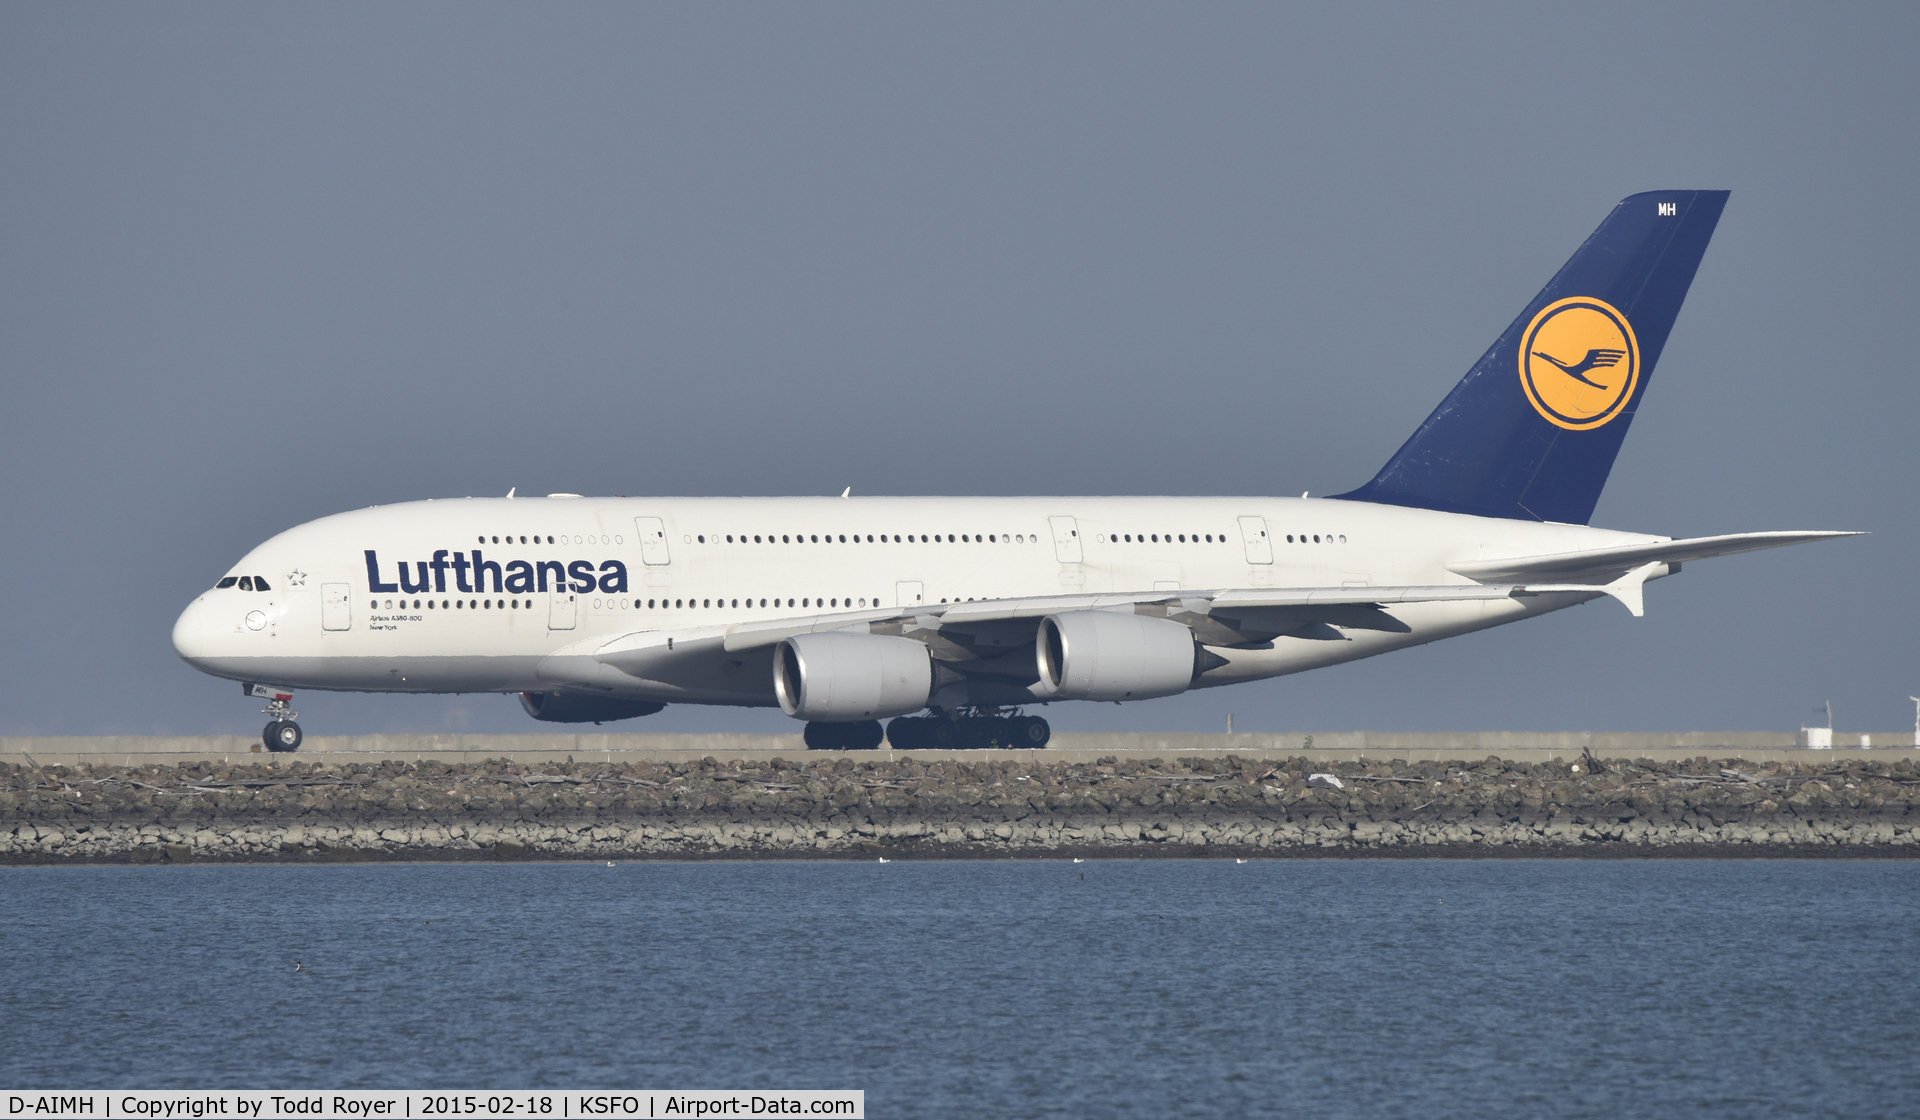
(846, 611)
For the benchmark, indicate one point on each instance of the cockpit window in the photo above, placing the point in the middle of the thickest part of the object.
(260, 584)
(228, 582)
(246, 583)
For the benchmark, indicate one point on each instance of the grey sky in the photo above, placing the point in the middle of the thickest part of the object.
(268, 262)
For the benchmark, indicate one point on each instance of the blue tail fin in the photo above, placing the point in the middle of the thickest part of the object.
(1532, 430)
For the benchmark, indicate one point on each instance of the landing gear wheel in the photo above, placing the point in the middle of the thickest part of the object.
(977, 733)
(282, 735)
(864, 735)
(1032, 732)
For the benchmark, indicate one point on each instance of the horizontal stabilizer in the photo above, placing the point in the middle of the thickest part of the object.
(1604, 565)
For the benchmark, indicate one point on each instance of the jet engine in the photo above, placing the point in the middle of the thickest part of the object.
(572, 707)
(836, 677)
(1102, 655)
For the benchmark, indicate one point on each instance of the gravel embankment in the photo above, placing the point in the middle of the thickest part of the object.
(300, 811)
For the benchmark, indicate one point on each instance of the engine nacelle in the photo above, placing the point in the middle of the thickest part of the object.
(1102, 655)
(572, 707)
(840, 678)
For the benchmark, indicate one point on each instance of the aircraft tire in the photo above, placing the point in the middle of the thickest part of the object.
(979, 734)
(1031, 732)
(281, 736)
(908, 733)
(944, 734)
(861, 735)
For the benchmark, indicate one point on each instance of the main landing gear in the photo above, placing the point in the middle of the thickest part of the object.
(968, 731)
(281, 734)
(864, 735)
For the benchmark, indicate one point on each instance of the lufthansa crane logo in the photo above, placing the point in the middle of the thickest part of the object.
(1579, 362)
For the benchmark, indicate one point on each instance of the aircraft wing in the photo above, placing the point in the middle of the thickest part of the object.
(645, 650)
(956, 616)
(1618, 572)
(1605, 565)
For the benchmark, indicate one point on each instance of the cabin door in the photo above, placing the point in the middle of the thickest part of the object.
(1066, 540)
(653, 540)
(563, 609)
(1253, 531)
(336, 606)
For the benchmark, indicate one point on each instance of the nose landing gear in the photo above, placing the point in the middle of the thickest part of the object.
(282, 734)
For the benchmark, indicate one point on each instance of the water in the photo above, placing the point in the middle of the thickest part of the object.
(1324, 988)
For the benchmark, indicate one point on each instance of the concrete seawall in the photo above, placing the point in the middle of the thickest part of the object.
(1030, 804)
(1526, 746)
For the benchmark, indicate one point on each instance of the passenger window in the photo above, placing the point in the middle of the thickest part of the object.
(260, 584)
(246, 583)
(227, 582)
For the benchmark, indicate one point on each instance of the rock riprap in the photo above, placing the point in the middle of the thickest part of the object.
(297, 811)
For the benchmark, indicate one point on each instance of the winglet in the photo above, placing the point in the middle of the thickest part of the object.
(848, 492)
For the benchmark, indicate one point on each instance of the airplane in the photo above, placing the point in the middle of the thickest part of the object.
(951, 616)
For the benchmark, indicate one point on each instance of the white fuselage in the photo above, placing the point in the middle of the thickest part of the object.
(563, 577)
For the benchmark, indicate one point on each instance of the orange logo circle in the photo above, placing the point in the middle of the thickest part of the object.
(1579, 362)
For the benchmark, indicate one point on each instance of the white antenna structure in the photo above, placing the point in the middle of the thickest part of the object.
(1916, 719)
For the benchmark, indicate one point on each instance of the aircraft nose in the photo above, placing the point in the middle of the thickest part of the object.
(195, 633)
